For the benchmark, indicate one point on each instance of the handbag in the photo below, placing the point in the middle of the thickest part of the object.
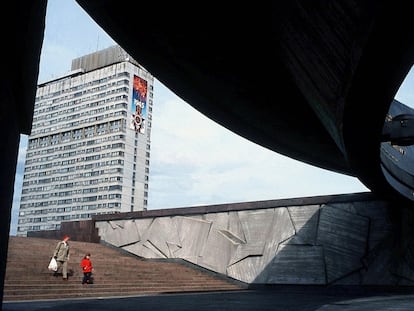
(53, 265)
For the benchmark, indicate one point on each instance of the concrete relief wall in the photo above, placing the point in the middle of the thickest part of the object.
(337, 243)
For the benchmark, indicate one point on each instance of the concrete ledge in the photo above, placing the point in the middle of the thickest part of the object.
(218, 208)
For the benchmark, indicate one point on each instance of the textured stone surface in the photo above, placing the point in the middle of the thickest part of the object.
(344, 238)
(297, 264)
(342, 242)
(305, 222)
(120, 233)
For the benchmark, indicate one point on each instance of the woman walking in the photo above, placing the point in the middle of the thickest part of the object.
(61, 254)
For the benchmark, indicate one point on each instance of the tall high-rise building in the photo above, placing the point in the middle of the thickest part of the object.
(89, 149)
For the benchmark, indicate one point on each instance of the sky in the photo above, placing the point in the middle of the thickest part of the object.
(194, 161)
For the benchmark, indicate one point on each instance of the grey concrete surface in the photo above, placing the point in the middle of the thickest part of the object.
(318, 241)
(286, 299)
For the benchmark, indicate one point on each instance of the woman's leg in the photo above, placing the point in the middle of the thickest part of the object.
(65, 269)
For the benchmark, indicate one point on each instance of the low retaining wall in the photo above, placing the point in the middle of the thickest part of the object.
(342, 239)
(82, 230)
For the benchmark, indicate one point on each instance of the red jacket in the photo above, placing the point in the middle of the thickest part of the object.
(86, 265)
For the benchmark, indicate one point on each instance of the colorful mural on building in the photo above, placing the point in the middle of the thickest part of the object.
(139, 104)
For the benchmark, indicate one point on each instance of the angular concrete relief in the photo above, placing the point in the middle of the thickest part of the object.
(115, 224)
(248, 270)
(305, 221)
(297, 264)
(193, 234)
(377, 268)
(344, 237)
(405, 269)
(264, 230)
(119, 233)
(173, 248)
(129, 233)
(381, 226)
(255, 225)
(235, 226)
(162, 231)
(342, 243)
(280, 230)
(219, 247)
(144, 249)
(345, 207)
(143, 226)
(102, 227)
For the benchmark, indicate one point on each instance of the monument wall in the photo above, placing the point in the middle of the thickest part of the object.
(343, 239)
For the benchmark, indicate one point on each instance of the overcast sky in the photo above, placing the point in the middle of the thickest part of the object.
(194, 161)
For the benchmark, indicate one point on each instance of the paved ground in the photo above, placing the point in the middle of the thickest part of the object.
(286, 299)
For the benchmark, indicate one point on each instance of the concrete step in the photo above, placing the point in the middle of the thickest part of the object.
(116, 274)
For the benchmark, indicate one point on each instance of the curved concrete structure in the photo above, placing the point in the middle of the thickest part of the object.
(312, 80)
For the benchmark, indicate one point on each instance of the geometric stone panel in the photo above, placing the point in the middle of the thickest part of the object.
(264, 231)
(344, 237)
(378, 267)
(255, 226)
(248, 270)
(305, 220)
(218, 248)
(336, 243)
(193, 235)
(235, 226)
(144, 249)
(380, 223)
(281, 230)
(297, 264)
(143, 226)
(119, 233)
(129, 233)
(163, 234)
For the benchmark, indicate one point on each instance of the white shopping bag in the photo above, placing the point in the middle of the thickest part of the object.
(52, 265)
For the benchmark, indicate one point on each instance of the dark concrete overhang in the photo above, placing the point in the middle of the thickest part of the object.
(312, 80)
(22, 31)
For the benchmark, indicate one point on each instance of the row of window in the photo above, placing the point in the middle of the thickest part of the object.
(63, 165)
(76, 156)
(51, 110)
(62, 123)
(56, 151)
(107, 112)
(45, 90)
(56, 179)
(62, 169)
(74, 184)
(69, 209)
(76, 192)
(31, 198)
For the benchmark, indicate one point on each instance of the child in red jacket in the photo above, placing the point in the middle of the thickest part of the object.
(86, 265)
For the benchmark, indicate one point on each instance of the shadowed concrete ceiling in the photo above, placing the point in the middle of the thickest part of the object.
(312, 80)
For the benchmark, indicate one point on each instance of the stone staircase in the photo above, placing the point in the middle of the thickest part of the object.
(116, 273)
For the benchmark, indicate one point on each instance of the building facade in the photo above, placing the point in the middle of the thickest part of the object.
(89, 149)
